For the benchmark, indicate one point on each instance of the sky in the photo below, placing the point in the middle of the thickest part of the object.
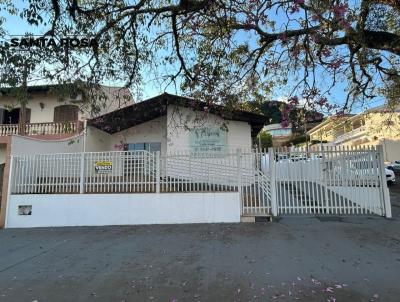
(17, 26)
(151, 87)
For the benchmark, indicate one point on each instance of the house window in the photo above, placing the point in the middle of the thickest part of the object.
(280, 132)
(151, 147)
(66, 113)
(12, 116)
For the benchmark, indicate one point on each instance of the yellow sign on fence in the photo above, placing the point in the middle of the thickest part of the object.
(103, 167)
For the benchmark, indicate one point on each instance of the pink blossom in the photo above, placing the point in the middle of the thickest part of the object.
(295, 8)
(315, 18)
(247, 26)
(285, 123)
(282, 37)
(344, 24)
(340, 10)
(326, 52)
(335, 64)
(118, 146)
(322, 101)
(295, 51)
(293, 101)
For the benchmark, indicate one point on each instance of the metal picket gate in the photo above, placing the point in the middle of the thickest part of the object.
(321, 181)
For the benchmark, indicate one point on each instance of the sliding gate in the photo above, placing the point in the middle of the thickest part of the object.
(329, 181)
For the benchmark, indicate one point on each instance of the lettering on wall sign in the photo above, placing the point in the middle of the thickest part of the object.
(208, 139)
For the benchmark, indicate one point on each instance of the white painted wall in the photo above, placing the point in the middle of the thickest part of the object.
(151, 132)
(123, 209)
(116, 99)
(22, 145)
(39, 114)
(179, 119)
(391, 149)
(170, 130)
(97, 140)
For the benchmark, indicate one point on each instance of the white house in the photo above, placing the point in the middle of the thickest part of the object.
(149, 147)
(170, 123)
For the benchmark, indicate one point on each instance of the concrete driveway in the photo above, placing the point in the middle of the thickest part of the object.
(294, 259)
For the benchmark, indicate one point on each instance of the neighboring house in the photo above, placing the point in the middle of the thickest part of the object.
(280, 134)
(377, 126)
(50, 115)
(328, 130)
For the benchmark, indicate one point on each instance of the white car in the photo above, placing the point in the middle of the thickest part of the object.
(390, 178)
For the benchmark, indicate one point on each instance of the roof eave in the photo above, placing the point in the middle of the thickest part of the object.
(162, 101)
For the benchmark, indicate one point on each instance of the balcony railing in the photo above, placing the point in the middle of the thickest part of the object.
(350, 135)
(8, 129)
(41, 128)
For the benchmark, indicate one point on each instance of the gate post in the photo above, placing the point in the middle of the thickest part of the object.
(82, 174)
(158, 172)
(6, 205)
(239, 176)
(383, 184)
(274, 201)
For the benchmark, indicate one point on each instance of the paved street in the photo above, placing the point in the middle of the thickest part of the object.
(295, 259)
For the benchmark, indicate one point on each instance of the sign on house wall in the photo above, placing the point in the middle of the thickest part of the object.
(208, 139)
(103, 167)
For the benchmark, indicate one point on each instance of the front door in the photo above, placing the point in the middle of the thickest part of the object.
(11, 116)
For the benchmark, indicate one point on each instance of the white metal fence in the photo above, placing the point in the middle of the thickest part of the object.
(296, 181)
(125, 171)
(93, 172)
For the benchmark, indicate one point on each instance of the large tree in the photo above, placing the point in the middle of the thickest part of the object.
(228, 51)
